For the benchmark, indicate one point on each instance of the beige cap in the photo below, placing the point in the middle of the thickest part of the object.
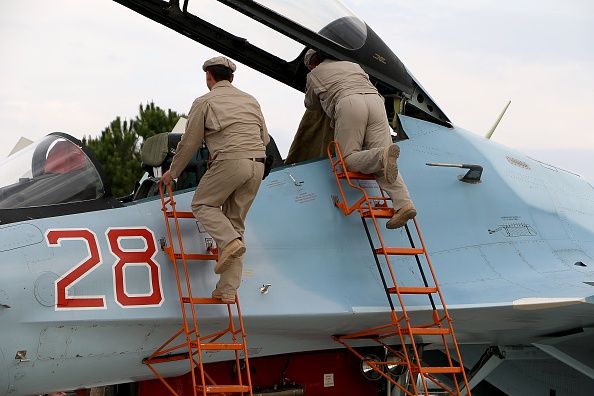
(219, 60)
(307, 57)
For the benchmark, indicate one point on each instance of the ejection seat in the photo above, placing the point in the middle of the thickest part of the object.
(157, 153)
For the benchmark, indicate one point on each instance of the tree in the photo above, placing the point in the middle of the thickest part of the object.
(118, 146)
(152, 120)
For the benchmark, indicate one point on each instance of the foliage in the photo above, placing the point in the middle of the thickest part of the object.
(118, 146)
(152, 119)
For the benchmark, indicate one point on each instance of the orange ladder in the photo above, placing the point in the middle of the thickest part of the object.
(195, 344)
(408, 356)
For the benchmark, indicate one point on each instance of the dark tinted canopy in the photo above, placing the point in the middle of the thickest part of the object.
(53, 176)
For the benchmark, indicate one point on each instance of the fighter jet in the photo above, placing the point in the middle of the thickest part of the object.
(87, 292)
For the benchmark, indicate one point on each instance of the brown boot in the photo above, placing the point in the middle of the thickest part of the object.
(401, 217)
(391, 154)
(232, 250)
(226, 298)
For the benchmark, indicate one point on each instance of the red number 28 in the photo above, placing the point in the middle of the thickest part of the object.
(124, 257)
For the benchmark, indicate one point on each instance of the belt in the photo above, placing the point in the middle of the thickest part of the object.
(262, 160)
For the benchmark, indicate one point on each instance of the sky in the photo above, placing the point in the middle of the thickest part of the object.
(73, 66)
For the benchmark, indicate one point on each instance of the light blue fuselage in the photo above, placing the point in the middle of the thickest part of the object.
(496, 246)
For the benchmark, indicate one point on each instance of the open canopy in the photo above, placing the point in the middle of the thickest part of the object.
(272, 35)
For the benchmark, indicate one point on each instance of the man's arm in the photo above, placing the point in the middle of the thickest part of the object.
(312, 101)
(190, 141)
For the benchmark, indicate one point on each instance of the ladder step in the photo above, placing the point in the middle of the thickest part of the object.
(223, 388)
(180, 215)
(355, 176)
(378, 213)
(441, 370)
(197, 257)
(400, 251)
(204, 301)
(218, 346)
(426, 330)
(412, 290)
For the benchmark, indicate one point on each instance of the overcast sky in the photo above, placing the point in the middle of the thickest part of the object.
(73, 65)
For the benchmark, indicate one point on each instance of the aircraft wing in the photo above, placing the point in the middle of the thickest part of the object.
(519, 354)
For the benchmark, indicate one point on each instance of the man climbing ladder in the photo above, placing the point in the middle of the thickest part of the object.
(231, 124)
(357, 113)
(231, 338)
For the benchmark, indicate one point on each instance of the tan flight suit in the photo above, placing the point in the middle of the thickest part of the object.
(343, 90)
(231, 124)
(312, 137)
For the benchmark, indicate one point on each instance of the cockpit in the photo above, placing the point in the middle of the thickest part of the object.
(55, 171)
(58, 175)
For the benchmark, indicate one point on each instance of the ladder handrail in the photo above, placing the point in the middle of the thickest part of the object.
(172, 204)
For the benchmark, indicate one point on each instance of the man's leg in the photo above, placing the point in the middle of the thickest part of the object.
(217, 184)
(354, 119)
(366, 161)
(378, 137)
(350, 124)
(236, 208)
(229, 281)
(238, 204)
(378, 129)
(397, 191)
(404, 209)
